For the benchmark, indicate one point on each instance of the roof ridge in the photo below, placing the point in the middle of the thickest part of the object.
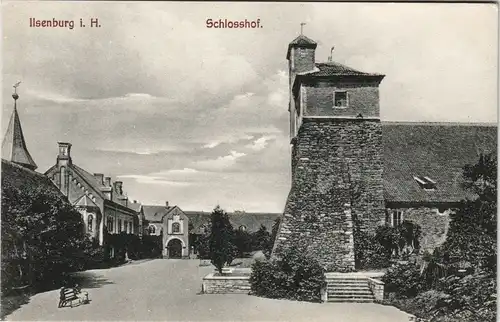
(440, 123)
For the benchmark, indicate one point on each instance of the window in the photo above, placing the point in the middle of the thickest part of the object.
(152, 230)
(242, 228)
(302, 52)
(425, 183)
(176, 228)
(340, 99)
(110, 224)
(90, 220)
(396, 218)
(120, 229)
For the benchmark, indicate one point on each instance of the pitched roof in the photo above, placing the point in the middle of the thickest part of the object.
(136, 206)
(251, 221)
(89, 179)
(98, 187)
(21, 177)
(301, 41)
(14, 146)
(337, 69)
(438, 151)
(155, 213)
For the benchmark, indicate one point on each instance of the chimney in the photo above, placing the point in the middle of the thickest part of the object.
(166, 204)
(119, 187)
(107, 181)
(99, 177)
(64, 152)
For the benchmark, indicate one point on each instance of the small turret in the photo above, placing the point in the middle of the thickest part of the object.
(14, 146)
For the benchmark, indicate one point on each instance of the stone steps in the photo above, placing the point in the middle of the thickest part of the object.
(349, 289)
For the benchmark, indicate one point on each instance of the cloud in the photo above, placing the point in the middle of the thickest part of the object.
(222, 162)
(151, 179)
(227, 140)
(260, 143)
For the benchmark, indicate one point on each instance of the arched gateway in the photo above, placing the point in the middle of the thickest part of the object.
(174, 248)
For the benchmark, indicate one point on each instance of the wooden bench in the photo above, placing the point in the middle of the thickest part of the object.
(68, 295)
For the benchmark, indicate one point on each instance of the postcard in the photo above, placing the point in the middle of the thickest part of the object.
(247, 161)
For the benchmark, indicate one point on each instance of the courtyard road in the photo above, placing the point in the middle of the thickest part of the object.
(168, 290)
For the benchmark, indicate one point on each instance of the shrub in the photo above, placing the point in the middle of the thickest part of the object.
(475, 293)
(295, 276)
(369, 253)
(404, 280)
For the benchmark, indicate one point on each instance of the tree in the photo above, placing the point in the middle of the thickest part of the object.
(472, 233)
(243, 242)
(261, 239)
(221, 237)
(46, 232)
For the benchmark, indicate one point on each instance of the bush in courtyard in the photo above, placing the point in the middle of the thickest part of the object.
(222, 249)
(404, 280)
(368, 253)
(294, 276)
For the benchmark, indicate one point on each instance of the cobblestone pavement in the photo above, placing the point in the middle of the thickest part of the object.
(168, 290)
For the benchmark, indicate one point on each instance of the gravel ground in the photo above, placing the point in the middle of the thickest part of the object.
(168, 290)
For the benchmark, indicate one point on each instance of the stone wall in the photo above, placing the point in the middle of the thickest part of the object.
(363, 98)
(434, 224)
(377, 288)
(336, 177)
(225, 284)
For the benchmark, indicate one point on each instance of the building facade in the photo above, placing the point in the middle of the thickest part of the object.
(349, 168)
(172, 224)
(102, 203)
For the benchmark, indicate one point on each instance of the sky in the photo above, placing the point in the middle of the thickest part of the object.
(198, 116)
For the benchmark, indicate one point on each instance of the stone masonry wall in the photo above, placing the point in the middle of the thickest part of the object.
(337, 176)
(363, 98)
(434, 225)
(225, 285)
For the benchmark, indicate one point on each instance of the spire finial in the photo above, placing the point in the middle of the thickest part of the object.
(15, 96)
(302, 24)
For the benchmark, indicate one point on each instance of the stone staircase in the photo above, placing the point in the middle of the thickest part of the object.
(349, 289)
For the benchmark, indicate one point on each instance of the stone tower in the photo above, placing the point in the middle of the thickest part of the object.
(336, 138)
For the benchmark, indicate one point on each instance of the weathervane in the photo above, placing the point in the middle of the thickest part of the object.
(302, 24)
(15, 96)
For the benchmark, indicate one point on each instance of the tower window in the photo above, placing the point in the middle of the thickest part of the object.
(176, 228)
(425, 183)
(340, 99)
(302, 52)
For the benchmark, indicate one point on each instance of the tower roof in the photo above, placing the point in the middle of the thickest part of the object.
(302, 42)
(13, 146)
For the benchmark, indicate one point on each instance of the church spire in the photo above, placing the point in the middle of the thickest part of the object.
(13, 146)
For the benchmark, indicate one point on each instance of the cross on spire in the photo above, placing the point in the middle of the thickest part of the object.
(302, 24)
